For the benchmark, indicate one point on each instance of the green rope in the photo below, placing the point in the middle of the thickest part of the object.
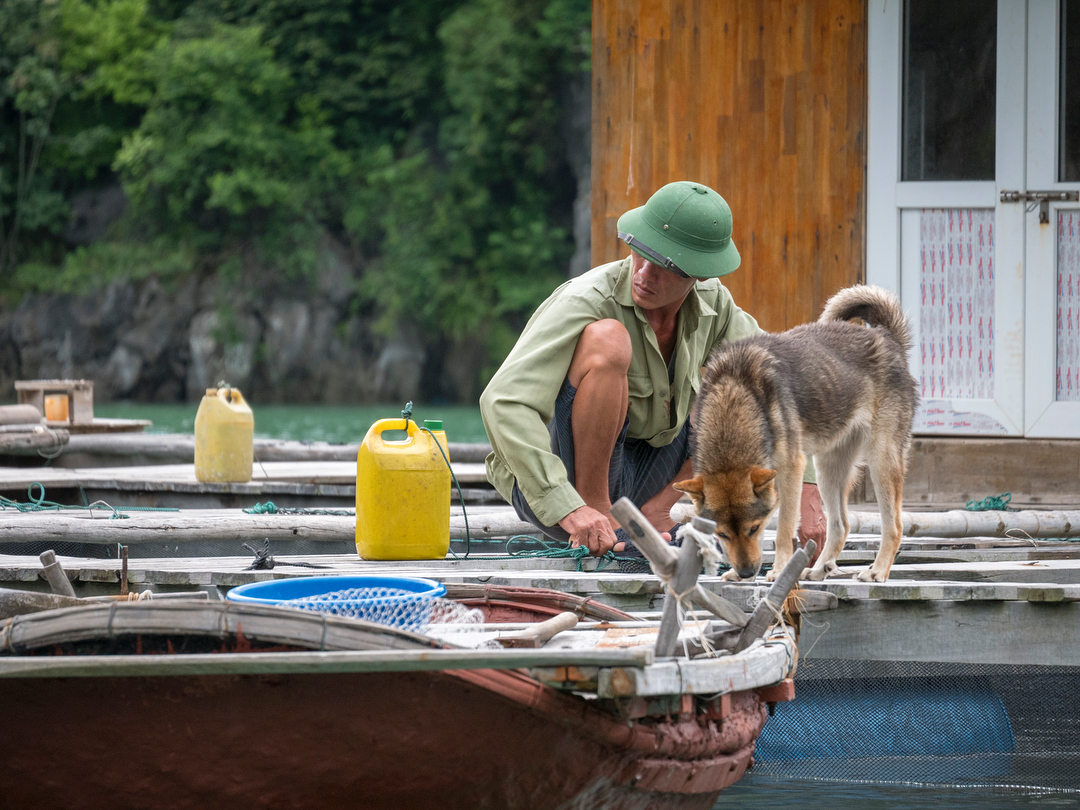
(551, 551)
(992, 503)
(37, 503)
(270, 508)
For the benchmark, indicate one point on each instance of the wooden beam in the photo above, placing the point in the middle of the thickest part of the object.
(313, 662)
(762, 665)
(958, 632)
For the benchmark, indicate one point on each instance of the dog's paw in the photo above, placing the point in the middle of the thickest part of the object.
(772, 574)
(730, 576)
(870, 575)
(820, 571)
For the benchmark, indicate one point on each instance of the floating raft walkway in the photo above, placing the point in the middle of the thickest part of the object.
(982, 600)
(296, 484)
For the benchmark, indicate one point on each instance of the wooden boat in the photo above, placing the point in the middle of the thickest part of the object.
(181, 703)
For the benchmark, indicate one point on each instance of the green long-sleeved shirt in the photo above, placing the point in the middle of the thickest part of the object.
(520, 399)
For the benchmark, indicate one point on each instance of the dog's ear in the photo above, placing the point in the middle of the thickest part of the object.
(691, 486)
(761, 478)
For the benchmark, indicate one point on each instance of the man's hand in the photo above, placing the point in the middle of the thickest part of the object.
(812, 522)
(590, 528)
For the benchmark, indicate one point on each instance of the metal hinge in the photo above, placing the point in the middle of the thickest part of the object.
(1042, 199)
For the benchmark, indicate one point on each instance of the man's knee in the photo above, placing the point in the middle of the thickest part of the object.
(603, 345)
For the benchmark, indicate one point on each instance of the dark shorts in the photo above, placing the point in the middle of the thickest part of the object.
(637, 471)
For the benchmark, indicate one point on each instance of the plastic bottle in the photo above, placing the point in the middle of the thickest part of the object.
(403, 493)
(224, 437)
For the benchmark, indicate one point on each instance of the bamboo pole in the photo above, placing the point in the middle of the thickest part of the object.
(953, 523)
(54, 573)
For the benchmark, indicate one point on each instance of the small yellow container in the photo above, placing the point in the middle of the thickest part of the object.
(224, 437)
(56, 407)
(402, 494)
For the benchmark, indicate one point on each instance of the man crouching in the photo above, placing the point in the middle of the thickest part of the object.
(592, 403)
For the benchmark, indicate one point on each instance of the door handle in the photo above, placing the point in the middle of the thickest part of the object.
(1041, 199)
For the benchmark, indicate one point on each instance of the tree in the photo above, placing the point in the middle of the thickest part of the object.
(32, 82)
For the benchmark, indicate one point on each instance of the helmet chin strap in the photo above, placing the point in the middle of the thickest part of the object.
(652, 255)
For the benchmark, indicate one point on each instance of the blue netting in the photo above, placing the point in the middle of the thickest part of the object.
(1000, 727)
(394, 607)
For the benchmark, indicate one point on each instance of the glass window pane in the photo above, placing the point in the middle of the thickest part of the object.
(1069, 165)
(950, 76)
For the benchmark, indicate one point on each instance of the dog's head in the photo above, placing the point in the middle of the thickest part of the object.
(740, 501)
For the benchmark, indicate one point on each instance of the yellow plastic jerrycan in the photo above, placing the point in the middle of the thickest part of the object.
(224, 437)
(403, 493)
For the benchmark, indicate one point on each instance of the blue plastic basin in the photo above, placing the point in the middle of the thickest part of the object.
(403, 602)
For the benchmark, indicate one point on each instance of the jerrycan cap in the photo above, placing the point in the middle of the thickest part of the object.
(433, 424)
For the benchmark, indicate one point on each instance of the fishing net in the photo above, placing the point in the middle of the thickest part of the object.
(997, 727)
(394, 607)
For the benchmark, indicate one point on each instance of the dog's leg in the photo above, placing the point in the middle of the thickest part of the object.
(888, 477)
(835, 471)
(789, 476)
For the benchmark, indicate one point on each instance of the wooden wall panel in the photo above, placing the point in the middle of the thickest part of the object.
(765, 101)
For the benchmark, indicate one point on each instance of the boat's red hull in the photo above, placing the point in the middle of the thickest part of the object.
(440, 740)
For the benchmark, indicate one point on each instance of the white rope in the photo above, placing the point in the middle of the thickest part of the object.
(711, 553)
(711, 558)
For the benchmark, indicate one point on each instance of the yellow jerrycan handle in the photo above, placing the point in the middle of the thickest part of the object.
(376, 431)
(231, 396)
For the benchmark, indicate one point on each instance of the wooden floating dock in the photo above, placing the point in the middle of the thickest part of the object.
(967, 587)
(971, 600)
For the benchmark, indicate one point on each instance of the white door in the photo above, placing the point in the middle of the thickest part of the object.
(968, 119)
(1052, 220)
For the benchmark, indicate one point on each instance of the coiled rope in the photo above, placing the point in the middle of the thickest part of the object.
(37, 503)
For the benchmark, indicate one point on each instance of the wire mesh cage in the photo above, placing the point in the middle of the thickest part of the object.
(996, 727)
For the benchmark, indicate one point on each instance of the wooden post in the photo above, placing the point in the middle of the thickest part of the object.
(687, 569)
(54, 573)
(767, 608)
(663, 558)
(541, 632)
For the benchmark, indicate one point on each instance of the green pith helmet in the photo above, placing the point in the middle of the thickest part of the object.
(686, 227)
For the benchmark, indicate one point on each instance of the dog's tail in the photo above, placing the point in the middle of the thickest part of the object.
(872, 305)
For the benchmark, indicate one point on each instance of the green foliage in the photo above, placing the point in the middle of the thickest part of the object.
(221, 131)
(32, 82)
(424, 133)
(476, 227)
(86, 268)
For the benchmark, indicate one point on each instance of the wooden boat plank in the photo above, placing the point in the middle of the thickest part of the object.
(314, 662)
(758, 666)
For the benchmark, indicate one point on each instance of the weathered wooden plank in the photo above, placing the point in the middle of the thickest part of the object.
(785, 95)
(611, 587)
(758, 666)
(38, 439)
(313, 662)
(973, 632)
(954, 523)
(298, 472)
(104, 449)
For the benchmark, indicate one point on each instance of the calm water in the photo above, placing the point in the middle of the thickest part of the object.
(462, 423)
(751, 793)
(326, 423)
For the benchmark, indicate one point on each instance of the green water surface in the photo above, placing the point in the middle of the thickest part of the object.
(325, 423)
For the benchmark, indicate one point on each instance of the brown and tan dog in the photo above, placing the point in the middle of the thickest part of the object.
(838, 390)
